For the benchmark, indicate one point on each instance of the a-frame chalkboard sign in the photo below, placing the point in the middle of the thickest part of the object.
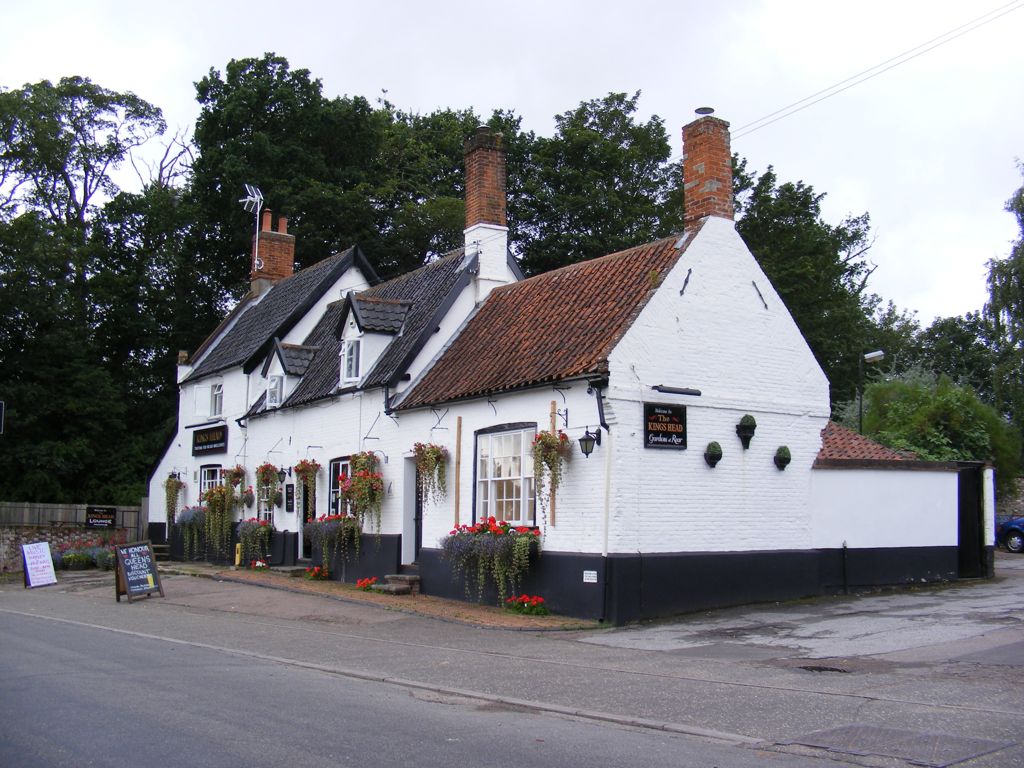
(135, 571)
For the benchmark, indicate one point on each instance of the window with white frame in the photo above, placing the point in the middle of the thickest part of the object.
(338, 467)
(504, 474)
(217, 399)
(209, 477)
(275, 391)
(350, 360)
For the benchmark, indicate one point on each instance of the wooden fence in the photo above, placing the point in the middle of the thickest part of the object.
(63, 515)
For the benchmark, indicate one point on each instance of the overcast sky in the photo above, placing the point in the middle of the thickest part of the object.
(928, 148)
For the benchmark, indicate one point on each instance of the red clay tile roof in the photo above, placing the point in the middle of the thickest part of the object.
(558, 325)
(841, 444)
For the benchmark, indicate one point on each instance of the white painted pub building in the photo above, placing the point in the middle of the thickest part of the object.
(683, 337)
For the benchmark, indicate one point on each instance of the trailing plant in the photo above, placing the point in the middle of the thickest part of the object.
(248, 497)
(266, 480)
(431, 471)
(490, 551)
(217, 522)
(234, 476)
(364, 489)
(550, 450)
(254, 536)
(191, 522)
(531, 605)
(334, 534)
(172, 487)
(306, 471)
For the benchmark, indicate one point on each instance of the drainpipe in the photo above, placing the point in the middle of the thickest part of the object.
(846, 581)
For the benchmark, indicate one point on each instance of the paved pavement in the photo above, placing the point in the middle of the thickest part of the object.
(937, 670)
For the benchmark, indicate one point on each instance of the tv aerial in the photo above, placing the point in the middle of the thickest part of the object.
(253, 203)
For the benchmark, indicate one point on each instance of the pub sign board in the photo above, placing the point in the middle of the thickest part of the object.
(210, 440)
(664, 426)
(101, 517)
(136, 574)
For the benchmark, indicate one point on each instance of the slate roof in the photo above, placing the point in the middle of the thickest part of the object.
(381, 315)
(841, 444)
(558, 325)
(248, 341)
(295, 358)
(422, 297)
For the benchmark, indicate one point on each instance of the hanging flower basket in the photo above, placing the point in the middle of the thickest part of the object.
(266, 481)
(172, 487)
(191, 521)
(550, 450)
(306, 471)
(431, 471)
(364, 489)
(248, 497)
(234, 476)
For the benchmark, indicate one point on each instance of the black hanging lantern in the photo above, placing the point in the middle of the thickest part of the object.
(589, 440)
(281, 475)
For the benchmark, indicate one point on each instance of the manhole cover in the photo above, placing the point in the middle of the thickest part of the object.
(819, 668)
(929, 749)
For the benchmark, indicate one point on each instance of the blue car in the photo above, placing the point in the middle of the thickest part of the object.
(1011, 534)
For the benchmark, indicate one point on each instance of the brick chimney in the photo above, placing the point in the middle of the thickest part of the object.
(273, 254)
(486, 230)
(707, 169)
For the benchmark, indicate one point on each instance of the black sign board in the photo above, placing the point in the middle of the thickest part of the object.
(136, 571)
(664, 426)
(210, 440)
(101, 517)
(289, 497)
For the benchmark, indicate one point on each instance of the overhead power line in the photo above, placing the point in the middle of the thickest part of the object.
(878, 69)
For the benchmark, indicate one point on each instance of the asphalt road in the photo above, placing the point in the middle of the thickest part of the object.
(936, 670)
(73, 695)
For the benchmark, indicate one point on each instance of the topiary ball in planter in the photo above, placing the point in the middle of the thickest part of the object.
(782, 457)
(745, 429)
(713, 453)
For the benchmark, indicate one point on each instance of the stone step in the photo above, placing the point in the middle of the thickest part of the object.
(390, 588)
(411, 580)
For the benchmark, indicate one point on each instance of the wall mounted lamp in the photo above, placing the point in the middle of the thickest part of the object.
(589, 440)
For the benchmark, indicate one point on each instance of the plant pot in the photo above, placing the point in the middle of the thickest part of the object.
(712, 458)
(782, 461)
(745, 433)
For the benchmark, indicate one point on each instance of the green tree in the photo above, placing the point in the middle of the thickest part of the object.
(962, 349)
(1005, 312)
(603, 182)
(940, 421)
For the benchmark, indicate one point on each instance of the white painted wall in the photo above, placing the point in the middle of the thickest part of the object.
(883, 508)
(717, 336)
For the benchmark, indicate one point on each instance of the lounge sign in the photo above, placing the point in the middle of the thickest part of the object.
(664, 426)
(210, 440)
(101, 517)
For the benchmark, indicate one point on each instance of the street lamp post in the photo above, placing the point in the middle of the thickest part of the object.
(868, 357)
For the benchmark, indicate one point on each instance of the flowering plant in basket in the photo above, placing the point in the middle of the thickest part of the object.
(333, 534)
(254, 536)
(306, 471)
(234, 476)
(550, 450)
(490, 551)
(364, 488)
(531, 605)
(431, 470)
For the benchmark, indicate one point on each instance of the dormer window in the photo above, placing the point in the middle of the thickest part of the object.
(275, 391)
(350, 360)
(216, 400)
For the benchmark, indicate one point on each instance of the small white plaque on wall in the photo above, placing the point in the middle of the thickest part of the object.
(590, 577)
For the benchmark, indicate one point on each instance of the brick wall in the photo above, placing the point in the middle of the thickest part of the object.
(12, 537)
(485, 178)
(707, 170)
(276, 250)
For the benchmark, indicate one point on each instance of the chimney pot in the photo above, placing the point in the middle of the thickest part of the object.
(265, 225)
(282, 225)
